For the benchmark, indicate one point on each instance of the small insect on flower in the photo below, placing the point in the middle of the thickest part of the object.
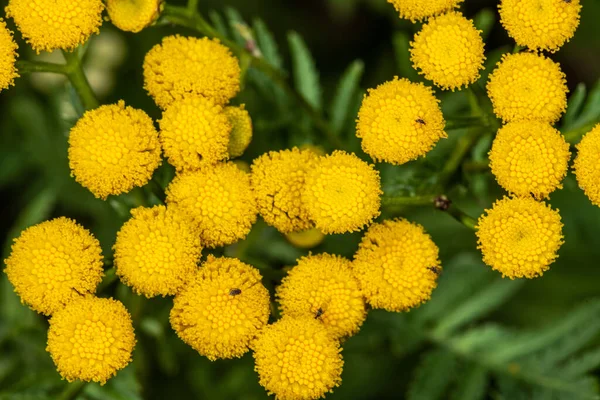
(319, 313)
(235, 292)
(420, 121)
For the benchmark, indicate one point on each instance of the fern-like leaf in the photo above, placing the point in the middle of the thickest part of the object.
(306, 76)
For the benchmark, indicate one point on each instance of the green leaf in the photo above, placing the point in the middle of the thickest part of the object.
(267, 44)
(472, 385)
(340, 107)
(574, 106)
(306, 76)
(218, 22)
(236, 22)
(401, 43)
(433, 376)
(582, 364)
(484, 21)
(591, 110)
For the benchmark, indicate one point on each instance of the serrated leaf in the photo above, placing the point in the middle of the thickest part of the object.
(306, 76)
(484, 21)
(574, 106)
(236, 22)
(267, 44)
(218, 22)
(432, 376)
(479, 338)
(347, 87)
(472, 385)
(401, 43)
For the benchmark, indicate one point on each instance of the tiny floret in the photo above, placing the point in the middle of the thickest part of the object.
(133, 15)
(305, 239)
(587, 165)
(8, 57)
(417, 10)
(241, 132)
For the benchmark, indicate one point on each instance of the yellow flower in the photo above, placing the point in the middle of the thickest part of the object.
(54, 263)
(396, 265)
(448, 51)
(194, 132)
(399, 121)
(519, 237)
(416, 10)
(540, 24)
(297, 359)
(133, 15)
(342, 193)
(241, 134)
(323, 287)
(222, 309)
(156, 251)
(278, 180)
(113, 149)
(587, 167)
(91, 339)
(218, 199)
(8, 57)
(305, 239)
(188, 65)
(56, 24)
(527, 86)
(529, 157)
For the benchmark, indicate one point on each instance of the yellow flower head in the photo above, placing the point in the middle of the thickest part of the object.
(448, 51)
(188, 65)
(278, 180)
(156, 251)
(222, 309)
(54, 263)
(396, 265)
(113, 149)
(399, 121)
(342, 193)
(587, 167)
(91, 339)
(133, 15)
(241, 133)
(8, 57)
(323, 287)
(56, 24)
(218, 199)
(540, 24)
(298, 359)
(306, 239)
(527, 86)
(417, 10)
(529, 157)
(194, 132)
(520, 237)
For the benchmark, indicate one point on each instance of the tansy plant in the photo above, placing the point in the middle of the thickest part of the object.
(221, 225)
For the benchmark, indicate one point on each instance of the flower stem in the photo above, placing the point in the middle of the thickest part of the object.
(72, 390)
(462, 217)
(192, 6)
(79, 81)
(465, 144)
(407, 200)
(27, 67)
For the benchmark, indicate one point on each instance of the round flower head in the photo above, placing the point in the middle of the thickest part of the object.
(278, 180)
(56, 24)
(156, 251)
(54, 263)
(8, 57)
(323, 287)
(194, 132)
(540, 24)
(187, 65)
(587, 167)
(306, 239)
(241, 133)
(527, 86)
(133, 15)
(529, 157)
(519, 237)
(297, 359)
(399, 121)
(218, 199)
(113, 149)
(396, 265)
(222, 309)
(416, 10)
(342, 193)
(91, 339)
(448, 51)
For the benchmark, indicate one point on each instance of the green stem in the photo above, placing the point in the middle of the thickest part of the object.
(27, 67)
(192, 6)
(476, 166)
(464, 122)
(72, 390)
(465, 144)
(462, 217)
(79, 80)
(407, 200)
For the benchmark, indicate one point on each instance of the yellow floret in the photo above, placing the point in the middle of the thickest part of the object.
(529, 157)
(305, 239)
(8, 57)
(448, 51)
(417, 10)
(527, 86)
(133, 15)
(218, 199)
(540, 24)
(113, 149)
(222, 309)
(520, 237)
(194, 132)
(241, 133)
(342, 193)
(396, 265)
(186, 65)
(56, 24)
(399, 121)
(54, 263)
(298, 359)
(91, 339)
(587, 165)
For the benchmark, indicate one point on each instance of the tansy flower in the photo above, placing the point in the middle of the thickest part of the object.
(56, 24)
(342, 193)
(587, 165)
(188, 65)
(448, 51)
(156, 251)
(113, 149)
(396, 265)
(133, 15)
(416, 10)
(221, 309)
(54, 263)
(529, 157)
(399, 121)
(241, 132)
(218, 199)
(193, 132)
(91, 339)
(278, 180)
(540, 24)
(305, 239)
(519, 237)
(323, 287)
(297, 359)
(527, 86)
(8, 57)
